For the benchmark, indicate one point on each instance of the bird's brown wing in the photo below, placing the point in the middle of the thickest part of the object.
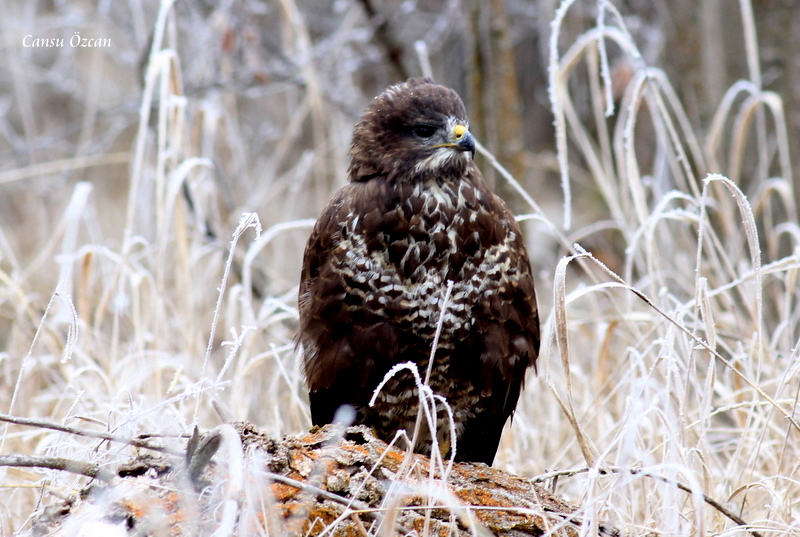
(344, 338)
(506, 334)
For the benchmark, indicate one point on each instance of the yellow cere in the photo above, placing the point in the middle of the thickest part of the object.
(459, 131)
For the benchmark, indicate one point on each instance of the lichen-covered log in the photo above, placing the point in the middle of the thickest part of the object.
(331, 481)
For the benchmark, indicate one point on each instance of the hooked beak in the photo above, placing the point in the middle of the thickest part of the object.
(462, 140)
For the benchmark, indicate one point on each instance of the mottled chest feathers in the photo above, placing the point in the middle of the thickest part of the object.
(432, 226)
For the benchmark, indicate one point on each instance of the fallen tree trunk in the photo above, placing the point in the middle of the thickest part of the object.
(331, 481)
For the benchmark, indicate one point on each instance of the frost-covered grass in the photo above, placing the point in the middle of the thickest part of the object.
(136, 293)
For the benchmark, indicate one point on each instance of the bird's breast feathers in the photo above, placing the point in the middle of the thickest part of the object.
(400, 263)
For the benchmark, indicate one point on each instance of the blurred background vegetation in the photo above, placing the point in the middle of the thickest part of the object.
(124, 171)
(272, 80)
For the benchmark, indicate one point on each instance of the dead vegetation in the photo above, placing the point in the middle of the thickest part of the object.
(156, 196)
(332, 481)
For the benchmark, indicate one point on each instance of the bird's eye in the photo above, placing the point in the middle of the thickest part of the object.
(423, 131)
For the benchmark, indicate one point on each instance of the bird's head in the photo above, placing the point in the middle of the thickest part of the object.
(413, 130)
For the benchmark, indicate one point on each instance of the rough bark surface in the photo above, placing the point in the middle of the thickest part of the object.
(321, 483)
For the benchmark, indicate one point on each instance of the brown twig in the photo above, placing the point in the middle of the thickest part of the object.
(44, 424)
(57, 463)
(393, 50)
(608, 470)
(305, 487)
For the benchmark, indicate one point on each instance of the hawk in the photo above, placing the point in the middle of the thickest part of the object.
(415, 215)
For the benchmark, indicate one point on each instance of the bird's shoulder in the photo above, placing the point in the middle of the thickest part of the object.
(350, 202)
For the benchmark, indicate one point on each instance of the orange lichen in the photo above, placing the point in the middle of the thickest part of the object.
(134, 508)
(479, 496)
(283, 492)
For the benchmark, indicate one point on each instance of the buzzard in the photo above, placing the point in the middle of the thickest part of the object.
(415, 215)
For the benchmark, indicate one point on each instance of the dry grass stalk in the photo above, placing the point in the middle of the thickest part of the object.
(671, 340)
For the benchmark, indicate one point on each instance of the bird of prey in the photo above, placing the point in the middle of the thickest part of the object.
(415, 215)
